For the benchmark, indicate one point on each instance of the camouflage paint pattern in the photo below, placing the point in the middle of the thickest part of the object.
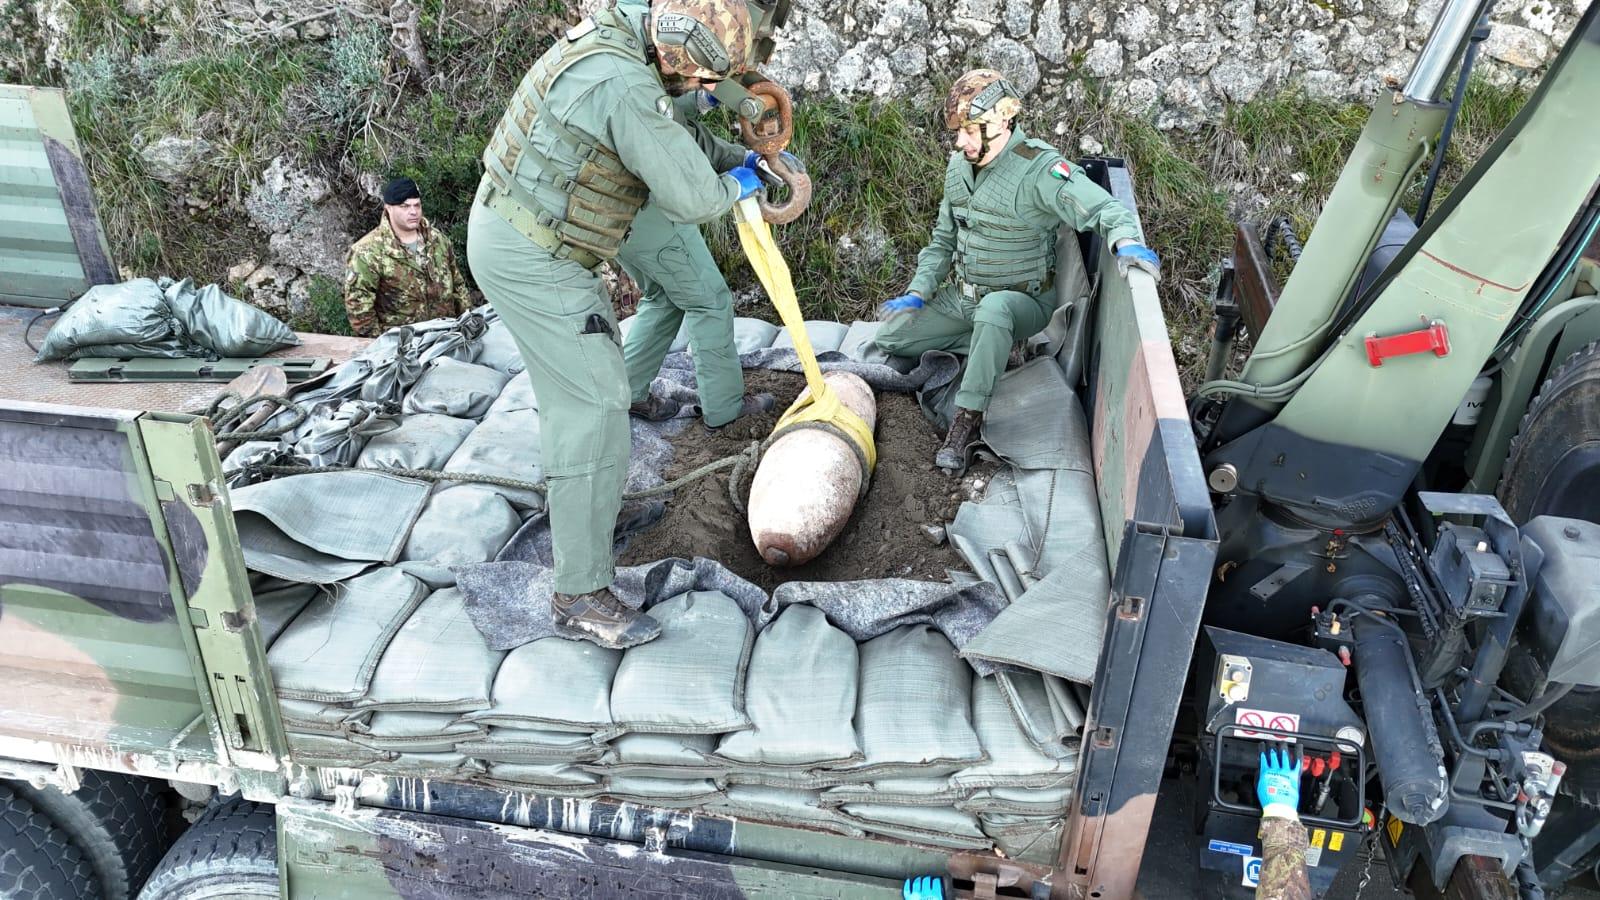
(958, 104)
(722, 23)
(1283, 860)
(386, 284)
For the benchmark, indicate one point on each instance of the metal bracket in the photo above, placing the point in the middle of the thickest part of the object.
(1435, 339)
(41, 775)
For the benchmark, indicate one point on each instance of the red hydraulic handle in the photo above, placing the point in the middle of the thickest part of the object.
(1435, 338)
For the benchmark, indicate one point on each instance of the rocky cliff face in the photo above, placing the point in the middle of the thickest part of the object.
(1180, 60)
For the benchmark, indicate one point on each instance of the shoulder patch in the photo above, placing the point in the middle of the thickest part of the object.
(664, 105)
(1062, 169)
(1026, 150)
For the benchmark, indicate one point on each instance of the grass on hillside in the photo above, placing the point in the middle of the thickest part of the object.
(345, 107)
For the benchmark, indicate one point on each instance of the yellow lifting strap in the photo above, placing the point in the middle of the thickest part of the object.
(821, 404)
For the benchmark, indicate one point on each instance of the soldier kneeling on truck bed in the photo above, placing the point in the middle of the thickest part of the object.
(984, 281)
(403, 271)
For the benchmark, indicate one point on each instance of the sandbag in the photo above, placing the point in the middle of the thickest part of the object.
(422, 441)
(517, 394)
(753, 334)
(1014, 760)
(568, 780)
(1044, 709)
(781, 806)
(414, 732)
(1052, 800)
(325, 526)
(507, 445)
(223, 325)
(337, 430)
(800, 695)
(931, 791)
(1035, 839)
(662, 756)
(436, 662)
(667, 792)
(498, 350)
(275, 609)
(432, 765)
(690, 680)
(858, 343)
(938, 826)
(357, 619)
(453, 388)
(312, 717)
(468, 524)
(531, 745)
(825, 336)
(332, 752)
(133, 312)
(914, 714)
(556, 684)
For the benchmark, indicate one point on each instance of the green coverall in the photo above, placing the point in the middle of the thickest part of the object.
(558, 310)
(681, 285)
(1015, 205)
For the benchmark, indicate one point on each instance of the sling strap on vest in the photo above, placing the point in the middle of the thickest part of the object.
(602, 196)
(996, 246)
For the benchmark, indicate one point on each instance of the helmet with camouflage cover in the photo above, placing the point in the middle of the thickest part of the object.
(981, 96)
(707, 39)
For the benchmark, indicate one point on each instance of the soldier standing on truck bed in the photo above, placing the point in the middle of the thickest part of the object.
(588, 141)
(984, 281)
(403, 271)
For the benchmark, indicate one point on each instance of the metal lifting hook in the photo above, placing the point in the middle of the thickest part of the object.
(768, 134)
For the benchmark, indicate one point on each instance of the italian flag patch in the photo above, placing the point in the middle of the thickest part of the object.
(1061, 170)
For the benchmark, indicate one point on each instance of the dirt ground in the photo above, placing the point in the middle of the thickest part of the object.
(884, 538)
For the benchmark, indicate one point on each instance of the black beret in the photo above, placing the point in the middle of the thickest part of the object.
(399, 191)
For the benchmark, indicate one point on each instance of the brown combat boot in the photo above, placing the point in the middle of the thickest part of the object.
(603, 619)
(958, 440)
(749, 405)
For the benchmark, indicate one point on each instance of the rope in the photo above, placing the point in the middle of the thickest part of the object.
(740, 462)
(221, 419)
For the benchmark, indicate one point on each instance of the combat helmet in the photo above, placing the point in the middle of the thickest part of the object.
(981, 96)
(707, 39)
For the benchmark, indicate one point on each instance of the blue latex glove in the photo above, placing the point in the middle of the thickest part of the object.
(754, 160)
(1278, 783)
(923, 887)
(749, 181)
(900, 304)
(1138, 256)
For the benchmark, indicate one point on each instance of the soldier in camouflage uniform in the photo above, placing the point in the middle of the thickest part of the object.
(985, 279)
(1283, 838)
(403, 271)
(589, 140)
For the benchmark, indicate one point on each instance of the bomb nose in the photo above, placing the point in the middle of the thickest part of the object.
(775, 556)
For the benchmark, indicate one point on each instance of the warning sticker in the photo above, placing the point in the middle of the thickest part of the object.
(1216, 846)
(1264, 718)
(1252, 871)
(1394, 827)
(1313, 857)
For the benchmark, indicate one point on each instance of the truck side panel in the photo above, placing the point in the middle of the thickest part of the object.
(1162, 543)
(91, 649)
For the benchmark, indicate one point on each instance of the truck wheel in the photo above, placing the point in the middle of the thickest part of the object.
(1554, 465)
(115, 820)
(37, 861)
(230, 852)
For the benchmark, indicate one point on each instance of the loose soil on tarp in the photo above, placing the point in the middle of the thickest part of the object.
(883, 539)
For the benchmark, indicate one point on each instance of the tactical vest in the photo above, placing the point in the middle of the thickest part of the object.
(602, 196)
(997, 247)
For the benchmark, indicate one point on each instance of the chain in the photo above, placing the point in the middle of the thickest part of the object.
(1366, 865)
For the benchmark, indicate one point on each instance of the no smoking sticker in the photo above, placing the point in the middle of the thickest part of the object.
(1264, 718)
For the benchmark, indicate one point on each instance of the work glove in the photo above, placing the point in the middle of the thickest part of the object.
(1278, 782)
(1132, 255)
(754, 160)
(904, 303)
(923, 887)
(749, 181)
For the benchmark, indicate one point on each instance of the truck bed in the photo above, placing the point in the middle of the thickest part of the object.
(23, 379)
